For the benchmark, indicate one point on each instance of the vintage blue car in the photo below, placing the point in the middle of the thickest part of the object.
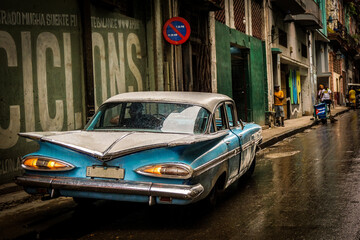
(155, 147)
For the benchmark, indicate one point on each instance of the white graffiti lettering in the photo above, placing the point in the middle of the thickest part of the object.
(8, 137)
(115, 23)
(10, 165)
(28, 82)
(116, 64)
(116, 67)
(46, 41)
(69, 82)
(37, 19)
(98, 43)
(133, 40)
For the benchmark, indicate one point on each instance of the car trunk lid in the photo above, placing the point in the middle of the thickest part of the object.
(108, 145)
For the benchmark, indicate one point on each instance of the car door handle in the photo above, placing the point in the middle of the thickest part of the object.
(227, 142)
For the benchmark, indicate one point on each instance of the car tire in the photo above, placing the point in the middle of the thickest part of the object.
(211, 199)
(251, 169)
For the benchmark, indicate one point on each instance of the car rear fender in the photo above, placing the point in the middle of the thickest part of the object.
(221, 176)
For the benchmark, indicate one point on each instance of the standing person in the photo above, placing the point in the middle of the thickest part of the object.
(321, 87)
(352, 98)
(326, 97)
(279, 109)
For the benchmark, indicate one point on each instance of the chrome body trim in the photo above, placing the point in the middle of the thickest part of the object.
(222, 158)
(188, 192)
(216, 161)
(206, 100)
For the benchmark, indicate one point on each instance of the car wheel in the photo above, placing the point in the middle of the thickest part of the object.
(212, 198)
(251, 169)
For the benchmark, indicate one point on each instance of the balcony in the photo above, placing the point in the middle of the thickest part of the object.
(338, 34)
(310, 19)
(291, 6)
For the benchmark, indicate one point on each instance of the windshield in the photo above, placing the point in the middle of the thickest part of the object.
(155, 117)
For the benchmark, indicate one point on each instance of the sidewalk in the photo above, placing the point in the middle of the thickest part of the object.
(292, 126)
(12, 195)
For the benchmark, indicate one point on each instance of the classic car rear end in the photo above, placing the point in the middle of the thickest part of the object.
(155, 147)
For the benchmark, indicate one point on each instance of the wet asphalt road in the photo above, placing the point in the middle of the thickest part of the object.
(305, 187)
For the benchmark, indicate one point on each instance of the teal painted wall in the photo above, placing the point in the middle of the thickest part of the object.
(322, 5)
(223, 59)
(256, 74)
(257, 81)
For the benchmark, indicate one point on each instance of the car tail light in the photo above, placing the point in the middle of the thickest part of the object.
(167, 170)
(45, 164)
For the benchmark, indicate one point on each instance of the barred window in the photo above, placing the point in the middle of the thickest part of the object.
(220, 15)
(282, 38)
(257, 19)
(304, 50)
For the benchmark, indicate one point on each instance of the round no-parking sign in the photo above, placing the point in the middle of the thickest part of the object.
(176, 30)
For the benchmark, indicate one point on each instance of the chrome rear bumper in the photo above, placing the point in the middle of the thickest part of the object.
(187, 192)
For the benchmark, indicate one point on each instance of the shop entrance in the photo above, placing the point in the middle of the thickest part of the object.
(285, 89)
(239, 71)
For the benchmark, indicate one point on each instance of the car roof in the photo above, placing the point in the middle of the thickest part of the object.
(206, 100)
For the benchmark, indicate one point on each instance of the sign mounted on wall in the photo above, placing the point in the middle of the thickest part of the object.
(176, 30)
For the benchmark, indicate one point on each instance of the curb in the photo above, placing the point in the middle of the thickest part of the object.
(290, 133)
(280, 137)
(9, 188)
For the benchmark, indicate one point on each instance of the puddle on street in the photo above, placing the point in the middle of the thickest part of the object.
(281, 154)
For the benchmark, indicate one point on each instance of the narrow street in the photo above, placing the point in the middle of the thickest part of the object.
(305, 187)
(129, 106)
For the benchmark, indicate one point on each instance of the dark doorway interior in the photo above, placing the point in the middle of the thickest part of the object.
(239, 60)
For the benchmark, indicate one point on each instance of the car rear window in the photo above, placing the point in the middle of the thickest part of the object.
(150, 116)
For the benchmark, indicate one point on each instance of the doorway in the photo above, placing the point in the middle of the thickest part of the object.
(239, 74)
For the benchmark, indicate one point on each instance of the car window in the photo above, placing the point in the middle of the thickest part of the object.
(109, 114)
(159, 117)
(212, 129)
(220, 118)
(230, 113)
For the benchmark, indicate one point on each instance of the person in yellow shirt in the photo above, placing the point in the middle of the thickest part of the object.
(279, 109)
(352, 98)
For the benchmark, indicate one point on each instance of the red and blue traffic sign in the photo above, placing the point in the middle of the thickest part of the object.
(176, 30)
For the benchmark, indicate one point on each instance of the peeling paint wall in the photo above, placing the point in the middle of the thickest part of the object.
(41, 74)
(119, 53)
(42, 67)
(256, 75)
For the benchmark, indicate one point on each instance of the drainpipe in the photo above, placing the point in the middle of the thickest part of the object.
(158, 55)
(212, 37)
(89, 97)
(269, 65)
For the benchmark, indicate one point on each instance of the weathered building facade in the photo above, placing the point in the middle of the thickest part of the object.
(60, 61)
(343, 30)
(291, 35)
(241, 56)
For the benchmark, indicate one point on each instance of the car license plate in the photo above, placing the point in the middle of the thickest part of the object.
(105, 172)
